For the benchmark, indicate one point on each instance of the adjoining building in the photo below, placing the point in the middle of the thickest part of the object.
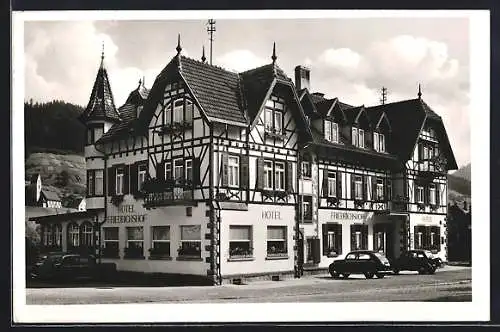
(459, 232)
(36, 195)
(239, 175)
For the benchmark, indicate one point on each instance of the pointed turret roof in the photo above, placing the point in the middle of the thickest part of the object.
(101, 105)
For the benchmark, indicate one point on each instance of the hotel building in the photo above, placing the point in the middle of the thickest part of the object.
(232, 176)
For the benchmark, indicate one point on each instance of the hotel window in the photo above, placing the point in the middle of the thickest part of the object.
(57, 231)
(189, 170)
(98, 132)
(419, 240)
(331, 131)
(135, 242)
(240, 241)
(279, 176)
(120, 180)
(332, 184)
(432, 237)
(276, 240)
(420, 194)
(111, 243)
(74, 235)
(273, 116)
(160, 241)
(87, 234)
(361, 138)
(168, 171)
(354, 136)
(190, 241)
(379, 242)
(307, 208)
(47, 235)
(380, 189)
(268, 174)
(178, 111)
(178, 169)
(233, 171)
(359, 237)
(332, 240)
(189, 111)
(306, 169)
(358, 187)
(379, 142)
(432, 194)
(99, 181)
(141, 175)
(94, 133)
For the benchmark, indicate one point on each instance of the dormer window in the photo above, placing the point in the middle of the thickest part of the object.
(273, 116)
(331, 131)
(358, 137)
(379, 142)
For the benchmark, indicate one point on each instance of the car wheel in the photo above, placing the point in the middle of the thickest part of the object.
(369, 275)
(345, 275)
(380, 275)
(422, 270)
(334, 274)
(431, 269)
(396, 271)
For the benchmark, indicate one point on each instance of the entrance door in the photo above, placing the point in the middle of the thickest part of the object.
(309, 252)
(383, 240)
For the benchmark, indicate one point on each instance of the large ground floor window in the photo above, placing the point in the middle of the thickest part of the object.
(427, 238)
(111, 242)
(332, 239)
(240, 241)
(135, 242)
(276, 240)
(359, 237)
(190, 246)
(160, 246)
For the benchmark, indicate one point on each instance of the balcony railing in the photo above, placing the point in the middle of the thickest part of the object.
(167, 192)
(435, 166)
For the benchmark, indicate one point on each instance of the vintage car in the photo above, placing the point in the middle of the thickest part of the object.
(64, 266)
(365, 262)
(422, 261)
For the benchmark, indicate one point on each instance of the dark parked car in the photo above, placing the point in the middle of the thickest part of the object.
(365, 262)
(64, 266)
(422, 261)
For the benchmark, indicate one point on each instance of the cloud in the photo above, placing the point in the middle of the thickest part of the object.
(241, 60)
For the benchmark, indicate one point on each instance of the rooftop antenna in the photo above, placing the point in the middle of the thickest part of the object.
(384, 95)
(211, 30)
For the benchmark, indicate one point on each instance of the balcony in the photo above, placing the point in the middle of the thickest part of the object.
(399, 204)
(165, 193)
(432, 167)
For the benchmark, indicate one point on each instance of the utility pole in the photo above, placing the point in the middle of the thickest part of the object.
(384, 95)
(211, 30)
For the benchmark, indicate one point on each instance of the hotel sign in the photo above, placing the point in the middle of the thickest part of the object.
(272, 215)
(360, 216)
(131, 217)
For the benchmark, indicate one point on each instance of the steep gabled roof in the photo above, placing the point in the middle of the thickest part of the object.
(407, 119)
(101, 105)
(50, 195)
(256, 83)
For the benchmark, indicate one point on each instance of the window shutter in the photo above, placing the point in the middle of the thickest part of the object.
(365, 187)
(316, 251)
(415, 192)
(375, 141)
(112, 181)
(289, 176)
(339, 184)
(364, 237)
(325, 239)
(260, 173)
(438, 238)
(339, 239)
(426, 194)
(160, 170)
(224, 157)
(134, 178)
(126, 179)
(438, 194)
(244, 169)
(374, 188)
(196, 171)
(420, 152)
(325, 183)
(352, 187)
(353, 237)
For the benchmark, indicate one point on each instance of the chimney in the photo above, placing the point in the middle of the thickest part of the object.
(302, 75)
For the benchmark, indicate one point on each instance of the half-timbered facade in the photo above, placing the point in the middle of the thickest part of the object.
(232, 175)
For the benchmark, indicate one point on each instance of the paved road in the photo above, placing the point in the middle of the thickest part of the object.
(448, 284)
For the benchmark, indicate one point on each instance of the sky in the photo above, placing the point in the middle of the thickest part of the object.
(349, 58)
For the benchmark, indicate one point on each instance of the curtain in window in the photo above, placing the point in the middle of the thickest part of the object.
(239, 233)
(191, 232)
(135, 233)
(276, 233)
(161, 233)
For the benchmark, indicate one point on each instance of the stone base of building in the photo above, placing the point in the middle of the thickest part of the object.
(161, 279)
(241, 279)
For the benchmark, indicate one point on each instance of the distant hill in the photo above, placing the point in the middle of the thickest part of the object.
(463, 172)
(53, 127)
